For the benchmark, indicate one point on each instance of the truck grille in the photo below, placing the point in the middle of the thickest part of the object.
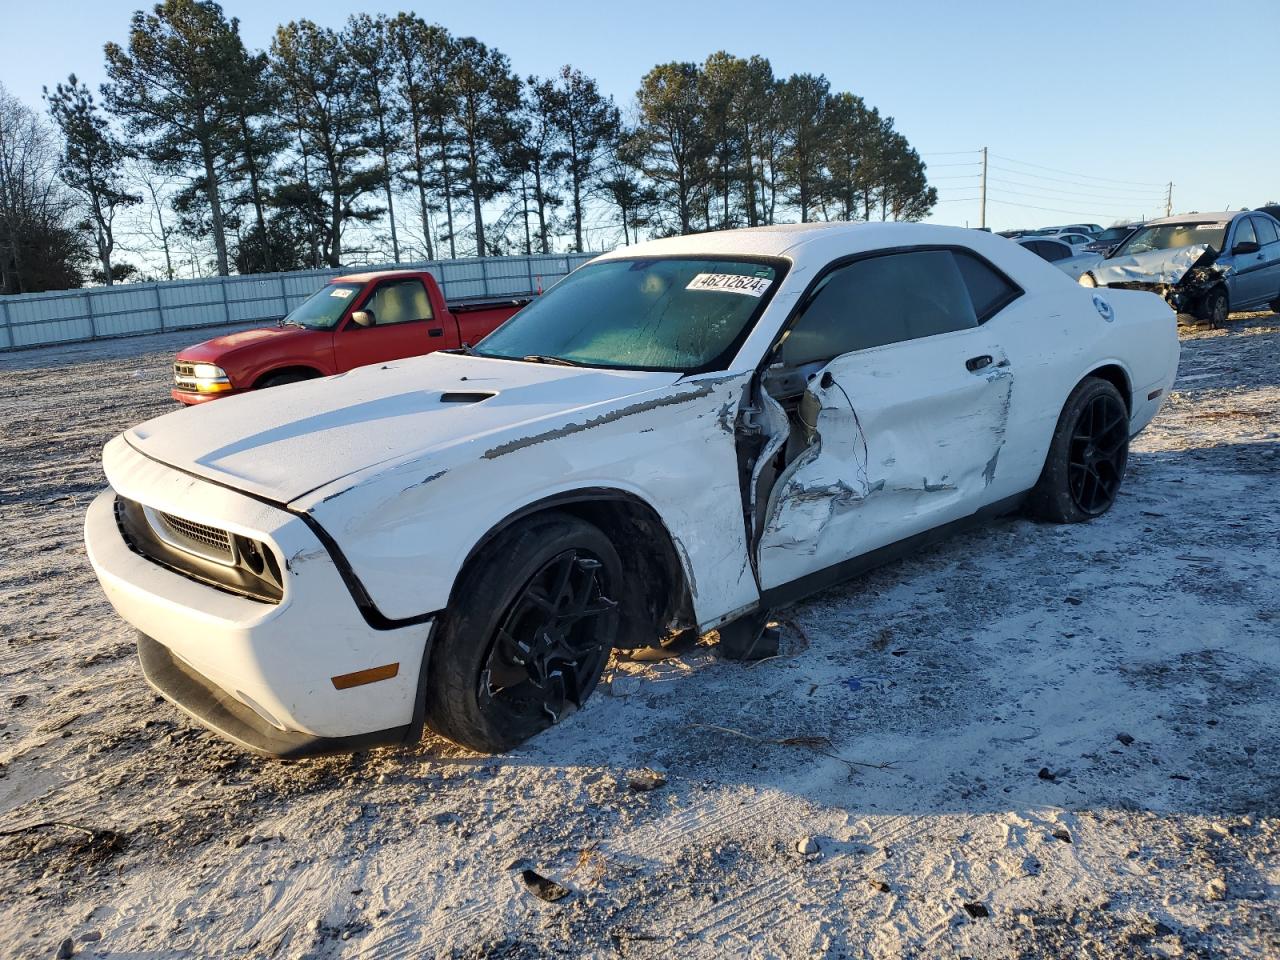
(200, 535)
(184, 377)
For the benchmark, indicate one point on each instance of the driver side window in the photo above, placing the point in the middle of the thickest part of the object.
(399, 301)
(1244, 232)
(878, 301)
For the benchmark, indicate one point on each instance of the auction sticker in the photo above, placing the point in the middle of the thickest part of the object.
(730, 283)
(341, 292)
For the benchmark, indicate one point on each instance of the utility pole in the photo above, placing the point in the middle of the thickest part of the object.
(1168, 201)
(982, 221)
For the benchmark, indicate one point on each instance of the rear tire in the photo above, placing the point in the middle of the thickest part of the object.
(1087, 456)
(527, 635)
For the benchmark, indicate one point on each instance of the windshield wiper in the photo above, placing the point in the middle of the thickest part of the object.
(558, 361)
(286, 322)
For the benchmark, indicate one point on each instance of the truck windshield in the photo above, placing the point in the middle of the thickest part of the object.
(323, 309)
(1172, 236)
(653, 313)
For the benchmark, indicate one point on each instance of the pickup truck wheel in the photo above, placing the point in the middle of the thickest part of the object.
(528, 635)
(280, 379)
(1087, 456)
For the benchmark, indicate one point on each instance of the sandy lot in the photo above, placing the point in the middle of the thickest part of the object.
(1029, 741)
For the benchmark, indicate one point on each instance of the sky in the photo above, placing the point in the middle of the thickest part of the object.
(1088, 110)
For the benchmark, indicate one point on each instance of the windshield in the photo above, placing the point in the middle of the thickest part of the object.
(642, 314)
(323, 309)
(1113, 234)
(1172, 236)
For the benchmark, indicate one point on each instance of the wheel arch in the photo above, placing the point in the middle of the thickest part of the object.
(1116, 375)
(649, 551)
(310, 371)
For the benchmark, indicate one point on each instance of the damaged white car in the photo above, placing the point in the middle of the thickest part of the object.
(1206, 265)
(678, 436)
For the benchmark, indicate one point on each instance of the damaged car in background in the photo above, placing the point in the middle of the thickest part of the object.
(1205, 265)
(679, 436)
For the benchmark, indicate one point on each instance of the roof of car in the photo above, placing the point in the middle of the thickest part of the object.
(1225, 216)
(376, 275)
(817, 243)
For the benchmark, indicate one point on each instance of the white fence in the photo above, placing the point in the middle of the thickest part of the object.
(127, 309)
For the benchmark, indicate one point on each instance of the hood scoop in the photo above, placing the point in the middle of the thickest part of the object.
(466, 396)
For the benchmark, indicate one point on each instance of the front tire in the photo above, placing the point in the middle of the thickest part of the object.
(1216, 307)
(285, 376)
(528, 633)
(1085, 466)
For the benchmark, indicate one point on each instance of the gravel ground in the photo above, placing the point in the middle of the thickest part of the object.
(1029, 741)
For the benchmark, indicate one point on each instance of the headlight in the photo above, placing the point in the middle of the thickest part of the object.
(207, 371)
(1087, 280)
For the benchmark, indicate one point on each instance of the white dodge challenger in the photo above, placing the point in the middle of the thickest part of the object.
(680, 435)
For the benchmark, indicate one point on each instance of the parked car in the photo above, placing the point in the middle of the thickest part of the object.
(1270, 209)
(1109, 238)
(680, 435)
(1077, 241)
(351, 321)
(1061, 254)
(1205, 265)
(1092, 229)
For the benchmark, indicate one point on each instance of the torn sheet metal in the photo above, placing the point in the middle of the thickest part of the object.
(904, 440)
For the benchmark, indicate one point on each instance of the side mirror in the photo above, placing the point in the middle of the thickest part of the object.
(1245, 246)
(362, 318)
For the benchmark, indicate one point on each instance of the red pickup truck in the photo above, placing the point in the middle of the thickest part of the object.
(350, 322)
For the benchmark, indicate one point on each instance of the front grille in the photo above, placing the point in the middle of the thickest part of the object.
(210, 538)
(210, 555)
(184, 377)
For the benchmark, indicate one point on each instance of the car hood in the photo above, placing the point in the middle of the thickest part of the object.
(212, 351)
(287, 441)
(1154, 266)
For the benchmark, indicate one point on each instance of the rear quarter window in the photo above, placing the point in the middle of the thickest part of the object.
(989, 289)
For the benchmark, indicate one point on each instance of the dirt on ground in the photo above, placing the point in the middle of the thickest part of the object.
(1029, 741)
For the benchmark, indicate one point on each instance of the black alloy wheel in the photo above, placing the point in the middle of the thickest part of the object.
(529, 629)
(554, 639)
(1098, 452)
(1085, 464)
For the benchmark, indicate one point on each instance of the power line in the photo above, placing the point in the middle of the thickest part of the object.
(948, 153)
(1098, 191)
(967, 163)
(1083, 176)
(1055, 194)
(1028, 206)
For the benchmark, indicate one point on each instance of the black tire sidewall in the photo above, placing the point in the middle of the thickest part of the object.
(1051, 498)
(1217, 293)
(481, 597)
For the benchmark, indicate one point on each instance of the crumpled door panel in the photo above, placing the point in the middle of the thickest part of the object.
(905, 438)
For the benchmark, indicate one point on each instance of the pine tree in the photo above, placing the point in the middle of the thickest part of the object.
(92, 163)
(171, 88)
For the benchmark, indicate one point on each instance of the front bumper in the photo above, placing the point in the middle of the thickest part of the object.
(187, 398)
(278, 661)
(218, 710)
(1182, 298)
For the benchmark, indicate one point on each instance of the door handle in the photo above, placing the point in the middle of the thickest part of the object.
(974, 364)
(435, 332)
